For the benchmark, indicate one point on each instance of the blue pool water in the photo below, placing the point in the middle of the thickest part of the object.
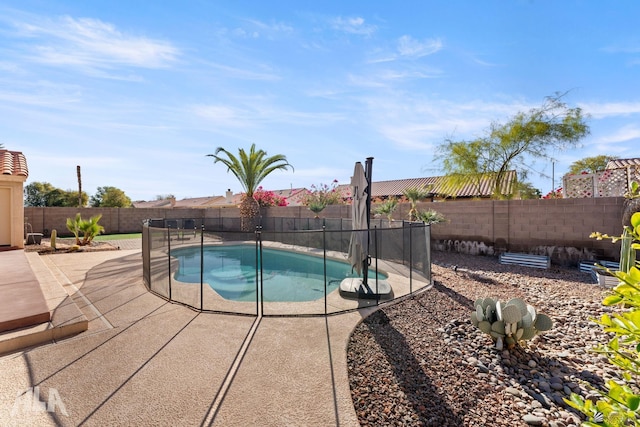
(287, 276)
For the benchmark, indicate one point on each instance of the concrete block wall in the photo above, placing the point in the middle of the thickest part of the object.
(557, 227)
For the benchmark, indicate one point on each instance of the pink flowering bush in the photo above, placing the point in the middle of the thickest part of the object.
(321, 196)
(266, 198)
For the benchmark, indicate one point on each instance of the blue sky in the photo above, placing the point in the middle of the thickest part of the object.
(137, 93)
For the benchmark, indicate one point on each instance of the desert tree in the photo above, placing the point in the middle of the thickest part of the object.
(513, 145)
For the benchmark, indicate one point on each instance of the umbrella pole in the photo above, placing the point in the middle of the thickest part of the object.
(367, 174)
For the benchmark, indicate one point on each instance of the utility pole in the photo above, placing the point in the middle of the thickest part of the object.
(79, 187)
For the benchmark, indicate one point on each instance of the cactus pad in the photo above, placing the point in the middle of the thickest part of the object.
(498, 326)
(519, 302)
(484, 326)
(543, 322)
(474, 319)
(527, 320)
(511, 314)
(528, 333)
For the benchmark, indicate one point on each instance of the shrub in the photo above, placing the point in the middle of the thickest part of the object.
(618, 405)
(266, 198)
(430, 217)
(89, 228)
(321, 196)
(387, 207)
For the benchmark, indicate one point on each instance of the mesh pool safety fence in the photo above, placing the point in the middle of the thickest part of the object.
(286, 267)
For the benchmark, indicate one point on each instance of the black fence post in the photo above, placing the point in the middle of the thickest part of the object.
(411, 257)
(202, 268)
(169, 258)
(324, 250)
(259, 281)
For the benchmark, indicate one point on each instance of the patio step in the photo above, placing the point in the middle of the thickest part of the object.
(56, 316)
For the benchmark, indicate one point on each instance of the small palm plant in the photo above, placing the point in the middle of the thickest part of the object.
(89, 228)
(387, 208)
(73, 225)
(431, 217)
(250, 169)
(415, 195)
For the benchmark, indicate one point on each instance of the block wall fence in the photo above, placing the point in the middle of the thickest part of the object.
(559, 228)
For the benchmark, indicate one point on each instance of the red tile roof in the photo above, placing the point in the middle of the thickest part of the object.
(13, 163)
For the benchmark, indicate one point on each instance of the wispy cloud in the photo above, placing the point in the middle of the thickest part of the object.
(608, 109)
(260, 112)
(91, 44)
(242, 73)
(419, 124)
(623, 48)
(355, 25)
(270, 30)
(412, 48)
(625, 133)
(407, 48)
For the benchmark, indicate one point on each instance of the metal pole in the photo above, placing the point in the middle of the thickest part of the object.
(324, 250)
(375, 244)
(367, 174)
(259, 282)
(202, 268)
(410, 257)
(169, 258)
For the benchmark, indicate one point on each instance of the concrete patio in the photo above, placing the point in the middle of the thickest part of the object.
(146, 361)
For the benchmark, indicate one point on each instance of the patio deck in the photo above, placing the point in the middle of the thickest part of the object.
(146, 361)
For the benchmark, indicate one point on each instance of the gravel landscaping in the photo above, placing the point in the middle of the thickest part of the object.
(421, 362)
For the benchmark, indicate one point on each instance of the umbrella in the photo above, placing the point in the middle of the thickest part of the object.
(358, 246)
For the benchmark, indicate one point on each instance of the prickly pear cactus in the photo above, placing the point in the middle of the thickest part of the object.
(508, 323)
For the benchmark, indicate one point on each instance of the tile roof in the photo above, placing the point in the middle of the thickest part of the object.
(438, 186)
(622, 163)
(13, 163)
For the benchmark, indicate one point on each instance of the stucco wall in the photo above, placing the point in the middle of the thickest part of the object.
(16, 209)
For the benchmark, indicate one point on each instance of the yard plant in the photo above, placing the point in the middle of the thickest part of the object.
(619, 404)
(88, 227)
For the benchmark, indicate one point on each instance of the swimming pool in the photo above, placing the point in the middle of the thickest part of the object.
(287, 276)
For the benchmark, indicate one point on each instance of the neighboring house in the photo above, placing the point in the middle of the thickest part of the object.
(438, 187)
(13, 174)
(293, 196)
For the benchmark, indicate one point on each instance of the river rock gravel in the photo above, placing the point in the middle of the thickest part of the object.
(421, 362)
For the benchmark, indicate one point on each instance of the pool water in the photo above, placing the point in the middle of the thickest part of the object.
(287, 276)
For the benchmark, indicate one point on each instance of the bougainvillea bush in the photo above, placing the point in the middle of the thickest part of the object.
(266, 198)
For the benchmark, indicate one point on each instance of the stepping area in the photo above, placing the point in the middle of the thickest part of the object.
(22, 303)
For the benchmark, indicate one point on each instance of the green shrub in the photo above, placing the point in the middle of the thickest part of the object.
(619, 404)
(89, 228)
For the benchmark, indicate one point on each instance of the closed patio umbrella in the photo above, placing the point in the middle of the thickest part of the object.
(358, 245)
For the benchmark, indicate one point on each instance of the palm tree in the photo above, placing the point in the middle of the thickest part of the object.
(415, 195)
(387, 207)
(250, 169)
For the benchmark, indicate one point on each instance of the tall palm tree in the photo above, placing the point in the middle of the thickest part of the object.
(250, 169)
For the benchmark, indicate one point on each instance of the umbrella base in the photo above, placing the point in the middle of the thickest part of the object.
(353, 288)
